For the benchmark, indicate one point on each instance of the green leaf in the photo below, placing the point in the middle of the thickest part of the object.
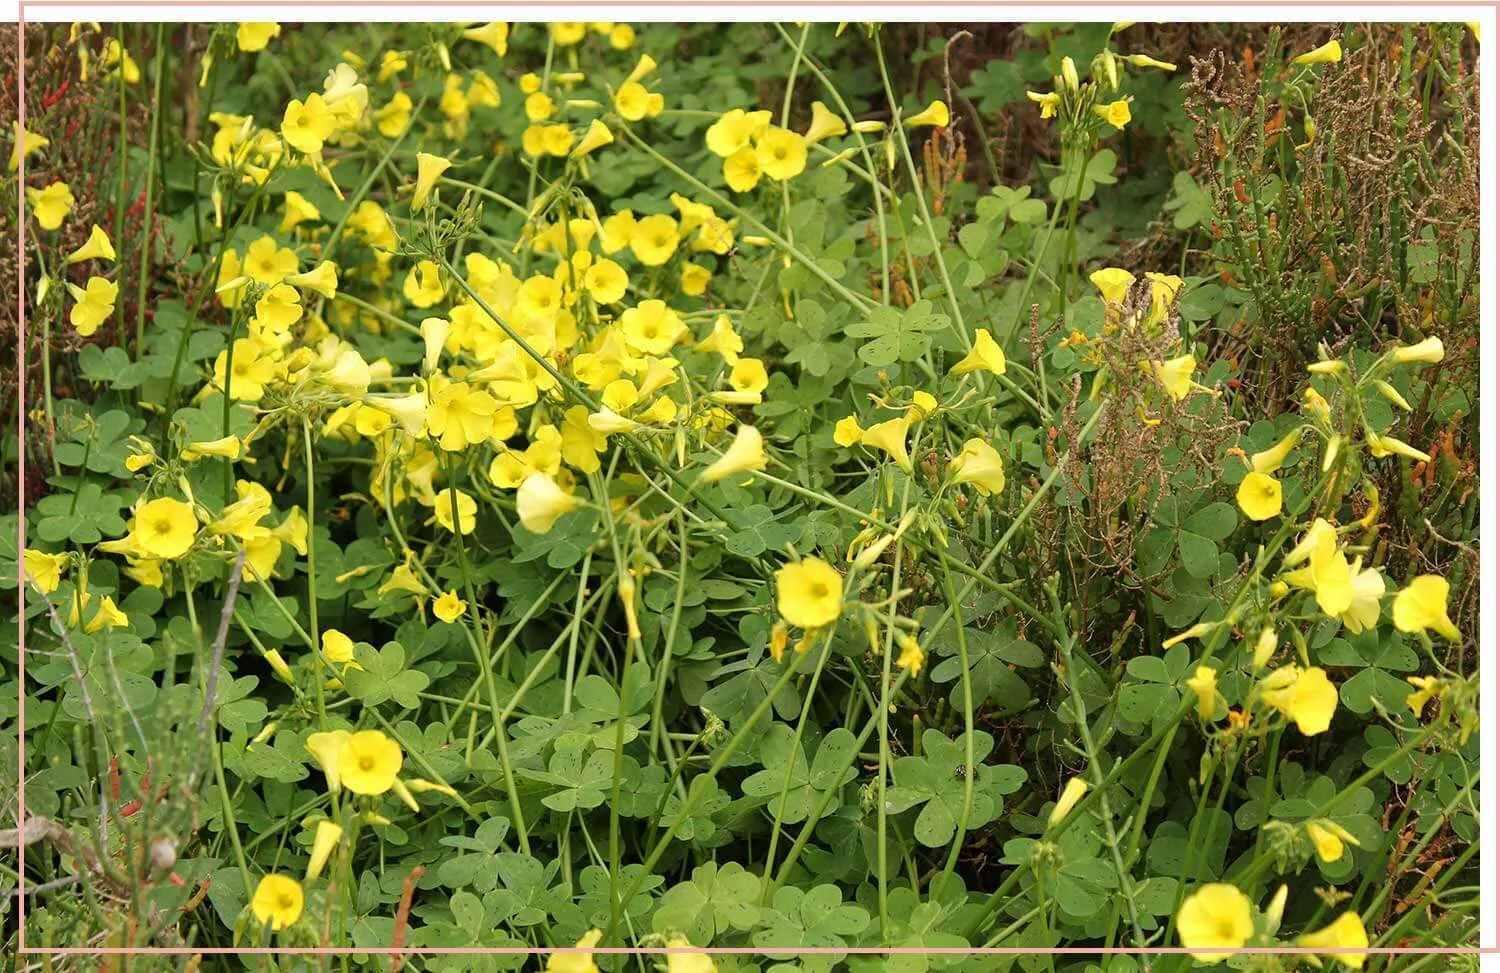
(384, 676)
(713, 902)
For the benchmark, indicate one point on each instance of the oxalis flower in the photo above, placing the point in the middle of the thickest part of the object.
(809, 593)
(1215, 916)
(277, 901)
(1345, 932)
(1304, 696)
(1423, 605)
(745, 454)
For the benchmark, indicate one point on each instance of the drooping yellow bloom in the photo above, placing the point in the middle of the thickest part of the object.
(540, 502)
(1047, 102)
(745, 454)
(1116, 113)
(108, 616)
(809, 593)
(1259, 496)
(1427, 687)
(1113, 283)
(847, 431)
(935, 114)
(1216, 916)
(979, 465)
(442, 510)
(1176, 375)
(690, 962)
(51, 205)
(825, 124)
(32, 141)
(325, 840)
(782, 153)
(1329, 53)
(582, 962)
(1304, 696)
(322, 279)
(1422, 605)
(1270, 460)
(1382, 446)
(326, 748)
(1072, 793)
(96, 247)
(1428, 350)
(164, 528)
(95, 304)
(1328, 838)
(890, 436)
(296, 209)
(985, 356)
(1345, 932)
(368, 762)
(742, 170)
(495, 36)
(449, 607)
(44, 570)
(255, 37)
(277, 901)
(912, 657)
(1205, 684)
(429, 169)
(225, 447)
(597, 136)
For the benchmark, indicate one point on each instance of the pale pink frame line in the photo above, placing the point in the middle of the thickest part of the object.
(854, 5)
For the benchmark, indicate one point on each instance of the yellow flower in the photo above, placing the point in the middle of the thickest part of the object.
(322, 279)
(1259, 496)
(368, 762)
(225, 447)
(44, 570)
(1383, 446)
(269, 263)
(809, 593)
(1428, 687)
(164, 528)
(1205, 683)
(392, 119)
(296, 209)
(1216, 916)
(540, 502)
(277, 901)
(890, 436)
(1265, 647)
(251, 372)
(255, 37)
(742, 170)
(688, 962)
(651, 328)
(1304, 696)
(1116, 113)
(429, 169)
(97, 247)
(449, 607)
(325, 839)
(1329, 838)
(326, 748)
(1072, 793)
(443, 505)
(50, 205)
(654, 239)
(1345, 932)
(423, 286)
(495, 36)
(108, 616)
(695, 278)
(782, 153)
(95, 304)
(1329, 53)
(1047, 102)
(978, 464)
(912, 656)
(1164, 289)
(1176, 375)
(1113, 283)
(825, 124)
(1146, 61)
(1270, 460)
(1427, 350)
(847, 431)
(338, 648)
(633, 101)
(1422, 605)
(986, 355)
(734, 130)
(306, 125)
(598, 135)
(746, 453)
(1366, 589)
(577, 962)
(934, 114)
(32, 140)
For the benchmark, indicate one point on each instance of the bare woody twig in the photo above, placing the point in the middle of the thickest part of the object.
(235, 574)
